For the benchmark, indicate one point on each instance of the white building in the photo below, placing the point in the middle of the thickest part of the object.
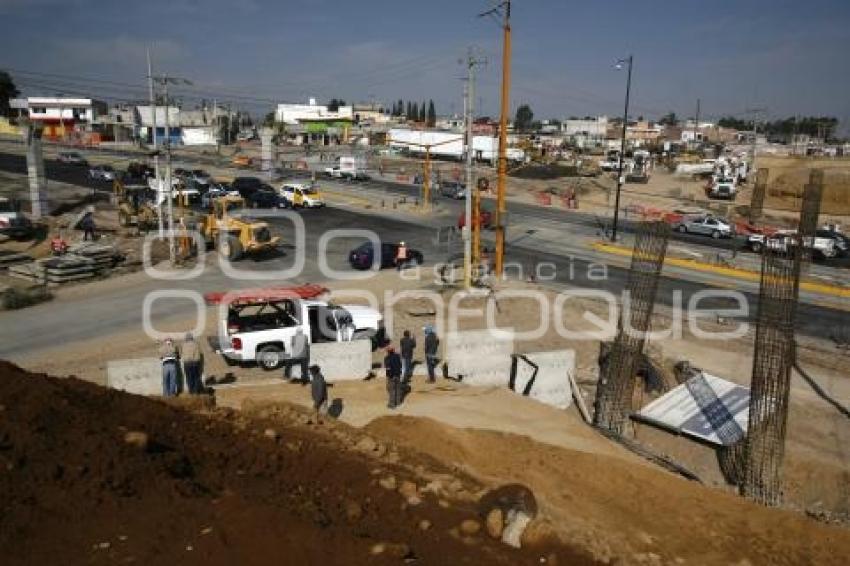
(297, 113)
(595, 128)
(71, 110)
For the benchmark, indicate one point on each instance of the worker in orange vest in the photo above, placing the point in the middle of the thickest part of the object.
(401, 256)
(58, 245)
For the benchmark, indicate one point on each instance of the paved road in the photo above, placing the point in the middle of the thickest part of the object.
(117, 308)
(62, 321)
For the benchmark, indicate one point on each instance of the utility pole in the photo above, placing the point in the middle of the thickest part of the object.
(153, 120)
(469, 117)
(165, 80)
(620, 178)
(504, 8)
(696, 123)
(168, 186)
(755, 112)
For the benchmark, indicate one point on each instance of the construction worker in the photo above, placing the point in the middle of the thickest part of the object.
(169, 357)
(408, 345)
(319, 392)
(190, 353)
(299, 353)
(88, 226)
(432, 346)
(392, 365)
(400, 256)
(58, 245)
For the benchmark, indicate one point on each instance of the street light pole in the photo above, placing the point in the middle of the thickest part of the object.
(622, 147)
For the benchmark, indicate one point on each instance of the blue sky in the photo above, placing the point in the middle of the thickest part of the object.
(790, 57)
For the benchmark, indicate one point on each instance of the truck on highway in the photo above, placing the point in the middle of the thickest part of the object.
(257, 326)
(784, 241)
(348, 167)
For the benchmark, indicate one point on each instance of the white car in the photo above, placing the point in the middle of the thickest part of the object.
(102, 173)
(260, 330)
(301, 196)
(706, 226)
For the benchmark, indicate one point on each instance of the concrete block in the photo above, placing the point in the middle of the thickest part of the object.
(551, 384)
(343, 361)
(141, 376)
(482, 357)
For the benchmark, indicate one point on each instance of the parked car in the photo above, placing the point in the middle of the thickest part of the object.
(707, 226)
(841, 241)
(266, 197)
(485, 219)
(73, 158)
(363, 256)
(140, 170)
(453, 190)
(302, 196)
(102, 173)
(200, 176)
(246, 185)
(13, 223)
(214, 191)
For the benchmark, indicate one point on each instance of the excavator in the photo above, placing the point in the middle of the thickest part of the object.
(235, 236)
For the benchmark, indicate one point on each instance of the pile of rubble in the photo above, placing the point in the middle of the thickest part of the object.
(84, 260)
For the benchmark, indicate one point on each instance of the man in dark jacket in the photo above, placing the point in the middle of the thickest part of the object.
(432, 347)
(392, 363)
(319, 392)
(408, 345)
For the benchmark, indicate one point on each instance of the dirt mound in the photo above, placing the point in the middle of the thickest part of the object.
(618, 510)
(90, 475)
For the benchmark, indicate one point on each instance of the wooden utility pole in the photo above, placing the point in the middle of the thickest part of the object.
(153, 137)
(469, 117)
(426, 173)
(503, 139)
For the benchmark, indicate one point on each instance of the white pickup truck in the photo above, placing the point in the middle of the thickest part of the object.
(258, 326)
(348, 167)
(783, 240)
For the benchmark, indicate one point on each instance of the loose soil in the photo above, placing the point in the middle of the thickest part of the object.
(194, 484)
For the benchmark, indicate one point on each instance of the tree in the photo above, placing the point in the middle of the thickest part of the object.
(422, 112)
(7, 90)
(523, 119)
(414, 112)
(400, 107)
(432, 114)
(334, 104)
(269, 120)
(669, 119)
(409, 113)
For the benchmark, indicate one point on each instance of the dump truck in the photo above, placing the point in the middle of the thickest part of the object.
(235, 235)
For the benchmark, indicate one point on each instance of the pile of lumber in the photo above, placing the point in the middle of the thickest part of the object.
(83, 261)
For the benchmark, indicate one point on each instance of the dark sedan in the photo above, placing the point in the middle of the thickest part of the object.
(266, 198)
(363, 256)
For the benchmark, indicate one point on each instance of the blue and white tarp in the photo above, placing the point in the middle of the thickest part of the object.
(705, 407)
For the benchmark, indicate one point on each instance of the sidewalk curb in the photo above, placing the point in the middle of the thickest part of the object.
(738, 273)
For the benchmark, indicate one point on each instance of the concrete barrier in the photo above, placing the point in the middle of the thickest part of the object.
(551, 384)
(141, 376)
(481, 357)
(343, 361)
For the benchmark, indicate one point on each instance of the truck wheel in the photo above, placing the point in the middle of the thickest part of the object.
(230, 248)
(757, 247)
(682, 229)
(716, 234)
(270, 357)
